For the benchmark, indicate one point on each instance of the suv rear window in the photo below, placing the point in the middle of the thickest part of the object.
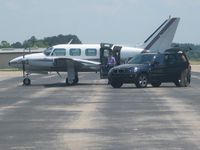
(142, 59)
(170, 59)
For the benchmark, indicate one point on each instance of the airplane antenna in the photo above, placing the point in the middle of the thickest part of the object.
(70, 41)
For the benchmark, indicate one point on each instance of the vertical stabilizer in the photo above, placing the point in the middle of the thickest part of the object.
(161, 39)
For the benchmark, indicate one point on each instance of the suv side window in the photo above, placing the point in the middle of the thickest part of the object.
(159, 59)
(170, 59)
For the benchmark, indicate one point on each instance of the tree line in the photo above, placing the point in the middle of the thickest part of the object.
(193, 50)
(33, 42)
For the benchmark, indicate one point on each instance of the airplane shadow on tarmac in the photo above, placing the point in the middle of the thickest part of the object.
(51, 85)
(128, 86)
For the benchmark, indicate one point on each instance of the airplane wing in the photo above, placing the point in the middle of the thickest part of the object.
(80, 64)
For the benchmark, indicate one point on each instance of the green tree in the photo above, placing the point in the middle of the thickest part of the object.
(192, 50)
(45, 42)
(41, 43)
(62, 39)
(30, 42)
(16, 45)
(5, 44)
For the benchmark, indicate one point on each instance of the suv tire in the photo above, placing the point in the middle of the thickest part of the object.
(142, 81)
(184, 79)
(116, 83)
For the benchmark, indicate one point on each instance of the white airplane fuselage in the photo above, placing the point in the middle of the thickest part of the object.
(41, 62)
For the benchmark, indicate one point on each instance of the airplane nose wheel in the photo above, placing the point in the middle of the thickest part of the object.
(74, 82)
(26, 81)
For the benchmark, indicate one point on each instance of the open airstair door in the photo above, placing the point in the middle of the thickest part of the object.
(117, 54)
(105, 49)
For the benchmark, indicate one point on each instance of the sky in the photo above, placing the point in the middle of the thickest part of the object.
(127, 22)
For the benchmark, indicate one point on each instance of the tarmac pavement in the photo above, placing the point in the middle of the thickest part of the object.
(92, 115)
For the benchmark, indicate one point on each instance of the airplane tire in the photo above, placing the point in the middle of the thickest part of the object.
(75, 81)
(67, 82)
(26, 81)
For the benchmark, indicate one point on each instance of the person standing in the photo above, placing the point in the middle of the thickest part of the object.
(111, 61)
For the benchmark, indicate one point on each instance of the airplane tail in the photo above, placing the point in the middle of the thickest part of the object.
(161, 39)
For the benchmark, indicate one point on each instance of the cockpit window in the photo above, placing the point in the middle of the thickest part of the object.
(142, 59)
(47, 51)
(59, 52)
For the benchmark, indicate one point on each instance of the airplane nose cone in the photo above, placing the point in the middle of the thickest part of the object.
(12, 63)
(16, 62)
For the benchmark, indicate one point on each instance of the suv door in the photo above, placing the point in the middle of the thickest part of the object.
(158, 69)
(173, 66)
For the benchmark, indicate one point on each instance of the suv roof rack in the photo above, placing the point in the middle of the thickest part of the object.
(174, 50)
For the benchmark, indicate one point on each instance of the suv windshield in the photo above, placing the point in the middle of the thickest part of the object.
(142, 59)
(47, 51)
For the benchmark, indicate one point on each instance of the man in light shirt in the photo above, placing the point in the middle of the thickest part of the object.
(111, 61)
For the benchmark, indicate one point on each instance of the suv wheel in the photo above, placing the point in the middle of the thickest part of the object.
(116, 83)
(142, 81)
(184, 79)
(156, 84)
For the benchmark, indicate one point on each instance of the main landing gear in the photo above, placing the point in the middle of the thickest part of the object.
(27, 81)
(71, 79)
(72, 82)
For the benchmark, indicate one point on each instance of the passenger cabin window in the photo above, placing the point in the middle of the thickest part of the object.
(75, 52)
(59, 52)
(90, 52)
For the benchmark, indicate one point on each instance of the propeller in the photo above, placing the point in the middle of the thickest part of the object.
(23, 64)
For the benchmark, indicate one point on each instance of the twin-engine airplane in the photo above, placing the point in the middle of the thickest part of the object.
(74, 58)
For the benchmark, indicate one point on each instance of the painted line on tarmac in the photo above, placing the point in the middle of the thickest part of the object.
(3, 78)
(196, 77)
(8, 108)
(184, 116)
(85, 119)
(44, 92)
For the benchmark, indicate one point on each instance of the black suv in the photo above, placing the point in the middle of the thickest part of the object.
(153, 68)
